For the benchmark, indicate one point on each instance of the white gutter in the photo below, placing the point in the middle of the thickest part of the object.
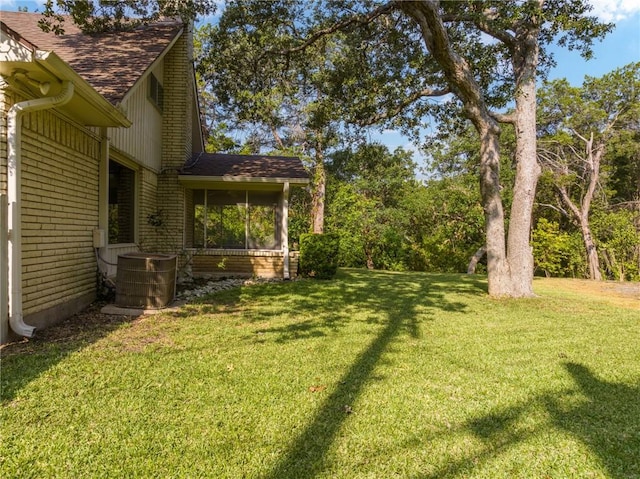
(14, 127)
(189, 179)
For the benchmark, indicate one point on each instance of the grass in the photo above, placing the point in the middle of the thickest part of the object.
(372, 375)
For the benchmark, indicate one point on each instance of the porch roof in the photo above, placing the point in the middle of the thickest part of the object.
(226, 170)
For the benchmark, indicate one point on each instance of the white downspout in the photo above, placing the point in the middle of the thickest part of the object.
(14, 226)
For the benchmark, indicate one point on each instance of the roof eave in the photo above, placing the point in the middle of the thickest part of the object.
(110, 115)
(199, 181)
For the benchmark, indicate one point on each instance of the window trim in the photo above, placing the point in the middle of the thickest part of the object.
(155, 93)
(123, 162)
(247, 219)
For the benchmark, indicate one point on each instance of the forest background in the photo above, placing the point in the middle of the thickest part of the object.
(420, 208)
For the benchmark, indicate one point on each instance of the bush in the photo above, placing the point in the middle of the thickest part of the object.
(319, 255)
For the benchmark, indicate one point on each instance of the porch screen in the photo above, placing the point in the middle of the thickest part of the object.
(235, 219)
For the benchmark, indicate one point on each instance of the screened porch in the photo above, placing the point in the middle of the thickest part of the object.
(237, 214)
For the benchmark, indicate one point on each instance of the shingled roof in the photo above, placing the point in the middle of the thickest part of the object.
(219, 165)
(110, 62)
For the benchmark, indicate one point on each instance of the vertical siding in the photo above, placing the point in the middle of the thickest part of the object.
(59, 211)
(143, 139)
(109, 256)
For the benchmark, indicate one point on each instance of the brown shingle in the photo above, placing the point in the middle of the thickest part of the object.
(110, 62)
(246, 166)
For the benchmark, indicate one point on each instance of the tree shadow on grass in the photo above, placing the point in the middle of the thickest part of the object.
(398, 302)
(607, 421)
(323, 308)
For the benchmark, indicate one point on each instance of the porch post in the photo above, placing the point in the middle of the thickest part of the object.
(284, 230)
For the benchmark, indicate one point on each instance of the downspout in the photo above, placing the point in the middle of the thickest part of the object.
(14, 226)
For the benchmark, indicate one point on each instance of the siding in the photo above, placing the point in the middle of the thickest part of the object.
(143, 140)
(4, 107)
(4, 267)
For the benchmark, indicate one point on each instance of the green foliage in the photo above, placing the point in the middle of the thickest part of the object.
(319, 255)
(618, 243)
(589, 150)
(366, 192)
(556, 252)
(622, 165)
(299, 219)
(447, 223)
(102, 16)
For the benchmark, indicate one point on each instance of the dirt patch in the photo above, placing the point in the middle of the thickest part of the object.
(89, 325)
(624, 294)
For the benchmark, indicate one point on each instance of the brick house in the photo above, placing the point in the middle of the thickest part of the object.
(102, 153)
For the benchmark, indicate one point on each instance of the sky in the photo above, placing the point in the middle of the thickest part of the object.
(619, 48)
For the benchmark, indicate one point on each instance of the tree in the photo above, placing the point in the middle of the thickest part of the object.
(367, 188)
(426, 49)
(283, 96)
(99, 16)
(577, 127)
(520, 29)
(429, 49)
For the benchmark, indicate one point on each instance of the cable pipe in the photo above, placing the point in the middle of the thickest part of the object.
(14, 140)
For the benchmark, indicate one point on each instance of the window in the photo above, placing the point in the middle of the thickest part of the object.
(156, 92)
(235, 219)
(262, 220)
(121, 203)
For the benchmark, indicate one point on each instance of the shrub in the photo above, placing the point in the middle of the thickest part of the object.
(319, 255)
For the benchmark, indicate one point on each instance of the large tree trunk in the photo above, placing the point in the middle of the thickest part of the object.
(519, 251)
(498, 274)
(462, 82)
(318, 195)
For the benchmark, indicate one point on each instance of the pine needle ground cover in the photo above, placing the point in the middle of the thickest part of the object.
(370, 375)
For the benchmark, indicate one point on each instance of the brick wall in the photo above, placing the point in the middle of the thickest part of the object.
(59, 212)
(242, 263)
(147, 209)
(176, 141)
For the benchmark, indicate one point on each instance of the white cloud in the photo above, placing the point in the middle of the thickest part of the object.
(615, 10)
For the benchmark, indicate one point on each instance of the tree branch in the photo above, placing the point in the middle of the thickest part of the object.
(387, 115)
(555, 208)
(357, 19)
(483, 19)
(503, 118)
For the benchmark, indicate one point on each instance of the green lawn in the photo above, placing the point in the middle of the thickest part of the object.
(372, 375)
